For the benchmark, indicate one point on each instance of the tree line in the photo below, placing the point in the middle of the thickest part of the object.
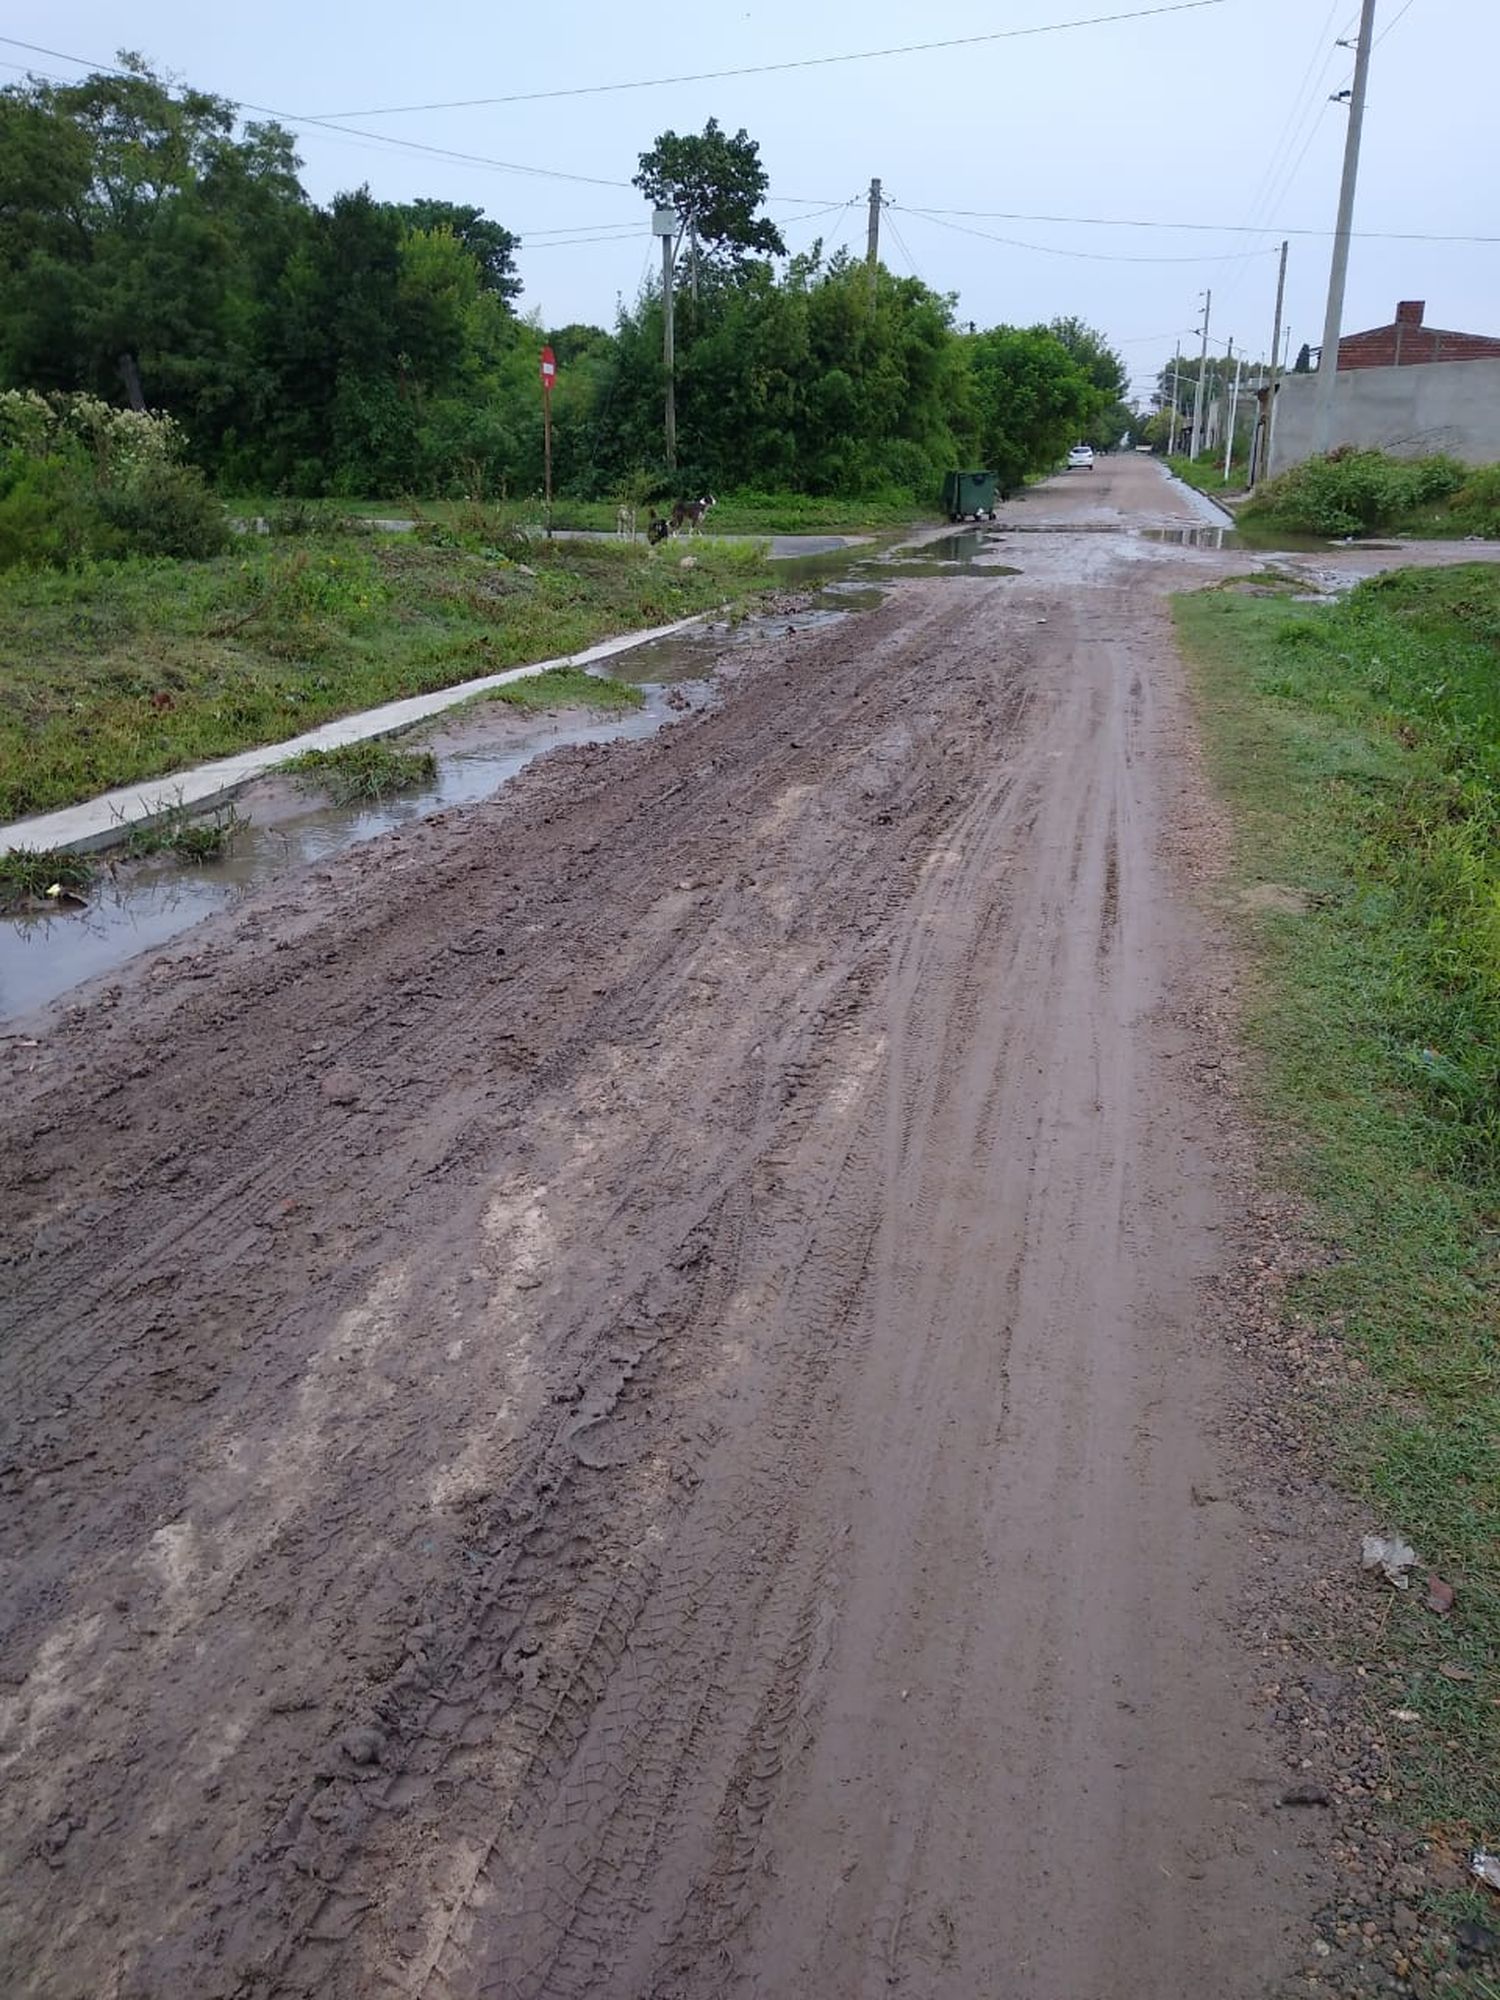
(160, 254)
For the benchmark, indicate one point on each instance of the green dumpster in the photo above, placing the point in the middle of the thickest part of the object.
(971, 494)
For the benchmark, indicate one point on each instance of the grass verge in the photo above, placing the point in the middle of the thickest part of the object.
(747, 513)
(1206, 472)
(116, 672)
(1358, 745)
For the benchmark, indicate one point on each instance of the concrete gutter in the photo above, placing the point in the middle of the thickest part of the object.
(108, 820)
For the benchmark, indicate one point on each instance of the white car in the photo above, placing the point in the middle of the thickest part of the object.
(1081, 458)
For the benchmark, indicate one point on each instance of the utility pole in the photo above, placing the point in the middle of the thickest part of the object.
(1196, 446)
(1172, 426)
(1218, 404)
(1328, 361)
(872, 250)
(669, 348)
(1234, 410)
(1263, 469)
(664, 223)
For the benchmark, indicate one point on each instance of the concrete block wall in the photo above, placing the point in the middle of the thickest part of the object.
(1409, 412)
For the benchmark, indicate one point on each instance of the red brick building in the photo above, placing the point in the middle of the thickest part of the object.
(1407, 343)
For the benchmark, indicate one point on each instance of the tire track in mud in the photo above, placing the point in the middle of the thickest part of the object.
(644, 1396)
(281, 1152)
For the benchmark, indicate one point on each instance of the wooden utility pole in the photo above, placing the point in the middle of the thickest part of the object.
(1262, 469)
(872, 248)
(1197, 441)
(1338, 272)
(664, 225)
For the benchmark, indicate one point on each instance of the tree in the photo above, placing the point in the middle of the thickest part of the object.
(492, 248)
(717, 184)
(1030, 400)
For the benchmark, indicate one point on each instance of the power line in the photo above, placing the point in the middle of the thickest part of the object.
(1053, 250)
(388, 139)
(779, 68)
(1212, 228)
(901, 244)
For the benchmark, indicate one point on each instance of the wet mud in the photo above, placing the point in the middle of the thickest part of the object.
(610, 1393)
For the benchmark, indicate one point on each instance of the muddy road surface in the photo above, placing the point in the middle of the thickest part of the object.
(611, 1396)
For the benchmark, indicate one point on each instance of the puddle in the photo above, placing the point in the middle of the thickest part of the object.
(1193, 538)
(137, 905)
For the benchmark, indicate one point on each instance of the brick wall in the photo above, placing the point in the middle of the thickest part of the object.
(1407, 343)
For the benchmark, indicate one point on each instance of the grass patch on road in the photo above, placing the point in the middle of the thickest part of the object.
(568, 687)
(115, 672)
(371, 770)
(1358, 745)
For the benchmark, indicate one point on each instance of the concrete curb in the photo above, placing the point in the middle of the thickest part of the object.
(108, 820)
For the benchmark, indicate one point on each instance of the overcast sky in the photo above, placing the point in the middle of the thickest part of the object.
(1217, 115)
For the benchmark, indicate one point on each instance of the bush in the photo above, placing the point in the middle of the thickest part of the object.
(47, 518)
(161, 509)
(1358, 492)
(1476, 505)
(79, 478)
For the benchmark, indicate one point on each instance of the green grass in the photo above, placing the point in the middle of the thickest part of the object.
(28, 874)
(567, 687)
(747, 513)
(197, 838)
(371, 770)
(118, 672)
(1206, 472)
(1359, 747)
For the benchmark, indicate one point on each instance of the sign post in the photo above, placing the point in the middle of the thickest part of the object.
(549, 376)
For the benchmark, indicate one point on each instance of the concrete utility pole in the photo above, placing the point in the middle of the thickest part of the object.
(1213, 429)
(1172, 426)
(872, 250)
(1262, 470)
(1328, 361)
(1234, 410)
(1197, 443)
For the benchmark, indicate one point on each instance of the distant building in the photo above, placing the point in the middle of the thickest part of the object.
(1407, 343)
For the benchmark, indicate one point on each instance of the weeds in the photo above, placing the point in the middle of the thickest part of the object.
(208, 837)
(568, 687)
(364, 771)
(1359, 745)
(32, 876)
(1350, 493)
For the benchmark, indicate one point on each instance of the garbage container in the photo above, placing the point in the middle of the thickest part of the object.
(971, 495)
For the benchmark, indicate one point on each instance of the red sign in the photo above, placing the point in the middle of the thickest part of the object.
(549, 368)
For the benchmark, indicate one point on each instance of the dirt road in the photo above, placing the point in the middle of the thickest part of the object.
(610, 1396)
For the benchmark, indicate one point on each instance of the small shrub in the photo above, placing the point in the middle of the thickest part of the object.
(1476, 504)
(161, 509)
(47, 513)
